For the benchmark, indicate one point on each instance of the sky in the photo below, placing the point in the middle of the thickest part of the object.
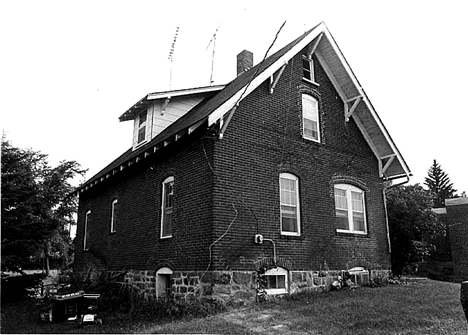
(69, 69)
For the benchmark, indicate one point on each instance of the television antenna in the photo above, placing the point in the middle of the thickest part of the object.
(213, 39)
(171, 55)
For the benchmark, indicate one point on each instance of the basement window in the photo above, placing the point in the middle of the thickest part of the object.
(163, 282)
(276, 281)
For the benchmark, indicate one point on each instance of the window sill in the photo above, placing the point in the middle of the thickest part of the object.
(276, 291)
(139, 145)
(311, 140)
(311, 82)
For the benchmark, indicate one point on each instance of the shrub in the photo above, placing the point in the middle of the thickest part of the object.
(15, 288)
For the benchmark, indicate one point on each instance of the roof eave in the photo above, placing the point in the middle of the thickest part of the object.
(143, 102)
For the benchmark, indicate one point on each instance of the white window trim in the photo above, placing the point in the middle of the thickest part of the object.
(298, 215)
(163, 209)
(311, 70)
(112, 225)
(85, 240)
(318, 139)
(278, 272)
(164, 271)
(140, 126)
(348, 188)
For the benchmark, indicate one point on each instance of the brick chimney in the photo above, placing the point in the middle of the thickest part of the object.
(244, 61)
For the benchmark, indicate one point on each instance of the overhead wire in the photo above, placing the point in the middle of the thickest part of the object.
(217, 176)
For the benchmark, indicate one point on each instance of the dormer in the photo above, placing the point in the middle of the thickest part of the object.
(156, 111)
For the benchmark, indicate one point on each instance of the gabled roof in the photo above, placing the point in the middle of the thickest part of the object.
(209, 111)
(143, 103)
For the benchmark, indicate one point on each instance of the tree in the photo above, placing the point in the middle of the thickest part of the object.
(413, 225)
(439, 184)
(36, 206)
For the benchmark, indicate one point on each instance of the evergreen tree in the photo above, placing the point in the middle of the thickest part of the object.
(439, 184)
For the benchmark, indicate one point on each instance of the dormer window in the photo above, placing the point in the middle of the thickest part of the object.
(308, 68)
(142, 127)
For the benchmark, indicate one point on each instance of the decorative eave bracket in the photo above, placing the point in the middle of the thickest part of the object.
(384, 167)
(223, 124)
(350, 106)
(274, 81)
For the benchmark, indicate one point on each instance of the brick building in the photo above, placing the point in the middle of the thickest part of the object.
(277, 175)
(457, 219)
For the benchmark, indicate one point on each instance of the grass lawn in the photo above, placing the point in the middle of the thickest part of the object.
(429, 307)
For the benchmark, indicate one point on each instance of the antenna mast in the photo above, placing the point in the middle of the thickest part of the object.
(213, 39)
(171, 56)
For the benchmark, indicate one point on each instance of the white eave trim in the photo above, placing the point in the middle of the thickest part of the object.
(198, 90)
(266, 74)
(128, 115)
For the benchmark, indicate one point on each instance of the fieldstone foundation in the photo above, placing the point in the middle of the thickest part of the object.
(241, 286)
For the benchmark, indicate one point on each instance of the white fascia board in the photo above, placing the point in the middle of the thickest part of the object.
(366, 100)
(226, 106)
(198, 90)
(386, 134)
(343, 61)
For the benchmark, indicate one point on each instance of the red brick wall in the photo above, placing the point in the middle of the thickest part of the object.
(137, 243)
(264, 139)
(457, 216)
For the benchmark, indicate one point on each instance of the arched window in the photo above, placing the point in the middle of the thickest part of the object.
(113, 223)
(310, 118)
(289, 204)
(350, 209)
(87, 230)
(167, 207)
(277, 281)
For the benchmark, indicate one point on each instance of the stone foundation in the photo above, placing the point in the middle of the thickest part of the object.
(241, 286)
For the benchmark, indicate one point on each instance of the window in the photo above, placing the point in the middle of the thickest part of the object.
(308, 68)
(289, 204)
(167, 207)
(276, 281)
(87, 231)
(113, 225)
(163, 282)
(142, 126)
(350, 209)
(310, 118)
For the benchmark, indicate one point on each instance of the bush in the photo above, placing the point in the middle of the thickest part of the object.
(15, 288)
(122, 300)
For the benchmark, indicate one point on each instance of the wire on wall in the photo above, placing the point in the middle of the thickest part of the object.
(223, 184)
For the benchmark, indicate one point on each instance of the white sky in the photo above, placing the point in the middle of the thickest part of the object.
(69, 69)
